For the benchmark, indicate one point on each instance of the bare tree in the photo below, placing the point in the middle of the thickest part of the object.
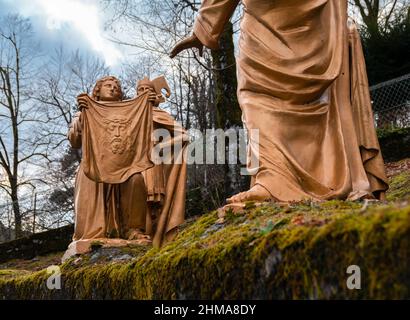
(64, 77)
(377, 14)
(18, 147)
(37, 104)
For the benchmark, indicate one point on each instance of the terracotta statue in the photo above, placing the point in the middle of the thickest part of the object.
(111, 199)
(302, 82)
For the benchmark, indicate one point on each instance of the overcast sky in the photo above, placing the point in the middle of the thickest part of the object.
(78, 24)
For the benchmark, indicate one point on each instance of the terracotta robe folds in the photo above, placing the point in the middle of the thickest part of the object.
(166, 182)
(302, 82)
(111, 194)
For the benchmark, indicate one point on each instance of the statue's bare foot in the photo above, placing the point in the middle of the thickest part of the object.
(360, 196)
(139, 235)
(256, 193)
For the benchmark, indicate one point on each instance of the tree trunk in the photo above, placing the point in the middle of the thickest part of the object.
(16, 210)
(228, 112)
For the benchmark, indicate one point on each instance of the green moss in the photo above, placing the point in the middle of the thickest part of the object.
(296, 251)
(393, 132)
(299, 251)
(39, 263)
(12, 273)
(399, 187)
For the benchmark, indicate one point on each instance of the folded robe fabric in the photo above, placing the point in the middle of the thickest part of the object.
(302, 86)
(116, 139)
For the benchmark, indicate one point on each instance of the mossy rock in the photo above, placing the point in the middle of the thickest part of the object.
(300, 251)
(399, 186)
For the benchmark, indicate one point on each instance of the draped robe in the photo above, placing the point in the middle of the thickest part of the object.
(302, 85)
(166, 182)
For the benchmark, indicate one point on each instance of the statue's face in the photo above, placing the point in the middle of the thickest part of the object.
(110, 91)
(141, 89)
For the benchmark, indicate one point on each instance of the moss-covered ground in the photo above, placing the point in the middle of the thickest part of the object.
(296, 251)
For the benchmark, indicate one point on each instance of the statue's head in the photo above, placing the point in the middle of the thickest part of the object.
(107, 89)
(144, 85)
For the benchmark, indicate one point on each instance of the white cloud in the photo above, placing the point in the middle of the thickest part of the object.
(83, 16)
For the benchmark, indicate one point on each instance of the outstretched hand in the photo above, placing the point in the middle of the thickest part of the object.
(187, 43)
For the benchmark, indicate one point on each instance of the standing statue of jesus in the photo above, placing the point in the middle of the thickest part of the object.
(302, 83)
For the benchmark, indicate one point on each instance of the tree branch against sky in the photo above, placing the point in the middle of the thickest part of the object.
(15, 87)
(377, 14)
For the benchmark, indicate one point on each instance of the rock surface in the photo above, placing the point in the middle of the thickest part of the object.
(262, 251)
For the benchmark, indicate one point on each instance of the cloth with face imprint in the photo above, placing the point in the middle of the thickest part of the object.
(116, 139)
(106, 210)
(302, 85)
